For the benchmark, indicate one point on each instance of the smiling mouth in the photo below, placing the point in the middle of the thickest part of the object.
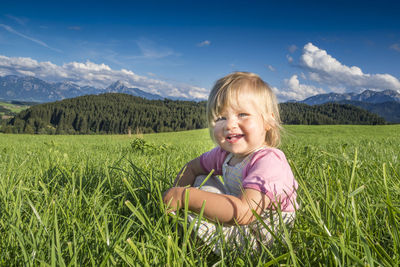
(234, 137)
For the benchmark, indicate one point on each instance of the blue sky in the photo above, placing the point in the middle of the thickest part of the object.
(180, 48)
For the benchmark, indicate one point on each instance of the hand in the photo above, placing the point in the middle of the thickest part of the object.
(173, 198)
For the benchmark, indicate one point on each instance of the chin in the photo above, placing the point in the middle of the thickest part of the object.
(238, 152)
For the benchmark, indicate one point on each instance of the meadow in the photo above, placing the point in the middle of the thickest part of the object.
(14, 108)
(97, 200)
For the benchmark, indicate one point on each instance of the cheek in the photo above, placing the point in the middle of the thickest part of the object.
(253, 126)
(216, 131)
(257, 129)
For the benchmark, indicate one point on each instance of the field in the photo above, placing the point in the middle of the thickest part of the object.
(96, 200)
(9, 108)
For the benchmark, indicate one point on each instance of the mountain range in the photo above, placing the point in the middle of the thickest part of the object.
(28, 88)
(367, 96)
(383, 103)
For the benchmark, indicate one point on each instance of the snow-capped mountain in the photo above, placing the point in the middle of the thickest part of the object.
(27, 88)
(121, 87)
(384, 103)
(367, 96)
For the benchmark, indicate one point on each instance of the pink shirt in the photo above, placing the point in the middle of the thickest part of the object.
(267, 171)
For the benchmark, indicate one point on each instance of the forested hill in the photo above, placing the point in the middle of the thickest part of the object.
(114, 113)
(109, 113)
(329, 113)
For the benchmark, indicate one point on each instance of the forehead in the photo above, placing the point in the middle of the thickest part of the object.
(241, 100)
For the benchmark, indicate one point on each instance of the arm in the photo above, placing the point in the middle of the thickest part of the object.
(189, 172)
(225, 209)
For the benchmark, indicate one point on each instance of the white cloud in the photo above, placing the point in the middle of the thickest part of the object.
(204, 43)
(325, 69)
(289, 58)
(337, 89)
(271, 68)
(96, 75)
(26, 73)
(39, 42)
(293, 90)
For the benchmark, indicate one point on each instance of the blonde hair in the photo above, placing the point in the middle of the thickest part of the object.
(226, 92)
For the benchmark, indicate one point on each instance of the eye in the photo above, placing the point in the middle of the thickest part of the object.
(242, 115)
(220, 118)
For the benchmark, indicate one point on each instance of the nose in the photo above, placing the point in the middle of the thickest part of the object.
(231, 123)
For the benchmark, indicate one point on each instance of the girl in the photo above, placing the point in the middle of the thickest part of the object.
(244, 122)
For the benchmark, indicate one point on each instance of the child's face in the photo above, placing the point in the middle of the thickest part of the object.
(240, 129)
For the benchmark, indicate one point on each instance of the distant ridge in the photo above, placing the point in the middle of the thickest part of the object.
(383, 103)
(390, 111)
(31, 89)
(367, 96)
(120, 87)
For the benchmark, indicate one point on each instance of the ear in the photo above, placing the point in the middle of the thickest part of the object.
(267, 125)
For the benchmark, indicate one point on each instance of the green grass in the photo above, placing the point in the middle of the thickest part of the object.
(96, 200)
(13, 108)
